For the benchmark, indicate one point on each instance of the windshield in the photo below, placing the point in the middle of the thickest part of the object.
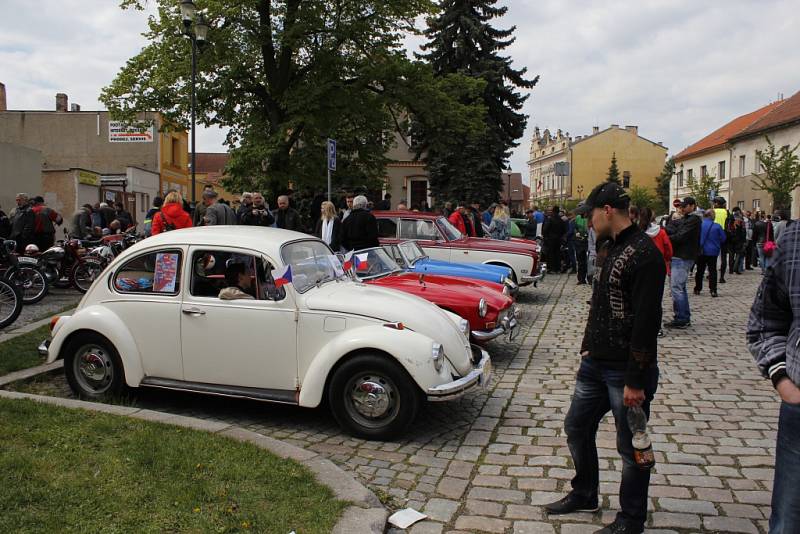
(450, 231)
(312, 264)
(378, 263)
(412, 251)
(394, 253)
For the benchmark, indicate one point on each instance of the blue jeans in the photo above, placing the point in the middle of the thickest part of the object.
(677, 286)
(763, 260)
(599, 389)
(785, 517)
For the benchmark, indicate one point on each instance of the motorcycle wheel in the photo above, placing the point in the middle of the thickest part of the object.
(31, 282)
(10, 303)
(85, 273)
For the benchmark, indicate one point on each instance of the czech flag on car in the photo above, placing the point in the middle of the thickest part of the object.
(361, 262)
(284, 277)
(348, 261)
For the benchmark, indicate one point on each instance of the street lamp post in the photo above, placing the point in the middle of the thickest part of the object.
(196, 29)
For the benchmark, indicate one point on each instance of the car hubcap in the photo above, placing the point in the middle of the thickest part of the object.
(94, 369)
(372, 399)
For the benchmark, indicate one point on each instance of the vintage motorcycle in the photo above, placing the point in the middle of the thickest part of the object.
(68, 264)
(25, 275)
(10, 303)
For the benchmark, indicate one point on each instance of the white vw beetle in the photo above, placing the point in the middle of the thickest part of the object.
(176, 311)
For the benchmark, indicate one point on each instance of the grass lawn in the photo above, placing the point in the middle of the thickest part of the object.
(64, 470)
(21, 352)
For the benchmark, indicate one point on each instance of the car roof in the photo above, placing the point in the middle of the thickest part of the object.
(407, 214)
(268, 240)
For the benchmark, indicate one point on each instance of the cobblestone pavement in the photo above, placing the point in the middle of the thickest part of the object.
(487, 462)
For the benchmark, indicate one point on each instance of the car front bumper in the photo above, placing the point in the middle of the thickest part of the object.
(527, 280)
(508, 325)
(480, 376)
(44, 348)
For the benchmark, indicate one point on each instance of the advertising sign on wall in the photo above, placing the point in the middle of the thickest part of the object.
(88, 178)
(123, 132)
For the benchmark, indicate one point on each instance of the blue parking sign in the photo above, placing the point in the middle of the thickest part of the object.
(331, 154)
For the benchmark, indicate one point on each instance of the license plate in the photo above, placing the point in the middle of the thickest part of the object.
(486, 377)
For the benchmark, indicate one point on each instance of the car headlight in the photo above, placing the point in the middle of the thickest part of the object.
(506, 290)
(464, 325)
(437, 354)
(482, 309)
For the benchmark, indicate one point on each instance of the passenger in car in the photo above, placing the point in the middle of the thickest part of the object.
(239, 283)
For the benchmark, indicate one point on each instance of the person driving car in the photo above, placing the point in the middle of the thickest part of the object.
(239, 283)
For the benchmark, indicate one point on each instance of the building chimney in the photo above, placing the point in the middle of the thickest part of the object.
(61, 102)
(3, 106)
(615, 125)
(74, 107)
(660, 143)
(595, 129)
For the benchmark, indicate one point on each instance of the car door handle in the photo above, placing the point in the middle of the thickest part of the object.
(193, 311)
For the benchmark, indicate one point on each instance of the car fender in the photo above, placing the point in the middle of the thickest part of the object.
(108, 324)
(410, 349)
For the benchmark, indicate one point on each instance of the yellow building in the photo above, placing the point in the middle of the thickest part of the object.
(639, 161)
(173, 157)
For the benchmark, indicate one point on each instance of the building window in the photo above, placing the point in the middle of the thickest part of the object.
(703, 171)
(626, 179)
(690, 175)
(680, 178)
(740, 204)
(721, 170)
(756, 204)
(176, 152)
(742, 163)
(757, 167)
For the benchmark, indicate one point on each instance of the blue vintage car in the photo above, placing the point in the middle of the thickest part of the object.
(410, 256)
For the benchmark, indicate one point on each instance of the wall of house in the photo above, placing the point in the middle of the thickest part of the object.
(711, 161)
(591, 158)
(20, 172)
(743, 189)
(174, 157)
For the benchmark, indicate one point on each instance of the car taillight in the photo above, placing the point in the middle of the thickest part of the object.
(53, 322)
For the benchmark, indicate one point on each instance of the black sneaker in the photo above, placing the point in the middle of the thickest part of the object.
(620, 527)
(678, 326)
(571, 504)
(714, 294)
(721, 280)
(660, 333)
(697, 291)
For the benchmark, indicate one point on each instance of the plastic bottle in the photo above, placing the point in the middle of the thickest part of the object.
(642, 446)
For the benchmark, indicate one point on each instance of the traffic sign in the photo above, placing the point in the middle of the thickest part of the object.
(331, 154)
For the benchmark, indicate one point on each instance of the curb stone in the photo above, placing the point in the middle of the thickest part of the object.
(366, 513)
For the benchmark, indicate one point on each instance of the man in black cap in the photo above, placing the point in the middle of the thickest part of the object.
(619, 366)
(685, 236)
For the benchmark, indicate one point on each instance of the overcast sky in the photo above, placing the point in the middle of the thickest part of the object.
(676, 68)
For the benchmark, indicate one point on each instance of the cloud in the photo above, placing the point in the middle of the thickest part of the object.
(676, 68)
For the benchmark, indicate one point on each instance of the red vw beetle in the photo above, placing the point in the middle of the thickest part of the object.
(490, 313)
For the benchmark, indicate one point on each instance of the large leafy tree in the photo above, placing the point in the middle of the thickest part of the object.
(462, 40)
(284, 75)
(704, 189)
(780, 175)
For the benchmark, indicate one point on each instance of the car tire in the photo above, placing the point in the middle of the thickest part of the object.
(93, 367)
(389, 397)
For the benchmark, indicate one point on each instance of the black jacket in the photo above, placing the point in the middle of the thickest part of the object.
(684, 233)
(247, 217)
(288, 220)
(625, 315)
(760, 231)
(554, 228)
(360, 230)
(336, 235)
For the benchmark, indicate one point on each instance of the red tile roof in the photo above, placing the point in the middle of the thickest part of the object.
(719, 137)
(211, 162)
(787, 112)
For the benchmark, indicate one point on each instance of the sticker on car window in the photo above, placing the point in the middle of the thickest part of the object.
(166, 273)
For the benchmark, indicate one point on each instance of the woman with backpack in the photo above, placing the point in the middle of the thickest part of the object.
(171, 216)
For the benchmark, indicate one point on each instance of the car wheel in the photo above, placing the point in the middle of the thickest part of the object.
(93, 367)
(373, 397)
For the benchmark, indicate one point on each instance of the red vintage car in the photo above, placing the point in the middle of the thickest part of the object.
(483, 304)
(442, 241)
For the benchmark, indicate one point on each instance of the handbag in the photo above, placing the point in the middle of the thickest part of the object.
(769, 245)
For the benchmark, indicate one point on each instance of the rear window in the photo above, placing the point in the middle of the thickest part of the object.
(418, 229)
(155, 272)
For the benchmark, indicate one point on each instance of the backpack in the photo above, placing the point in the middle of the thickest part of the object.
(166, 226)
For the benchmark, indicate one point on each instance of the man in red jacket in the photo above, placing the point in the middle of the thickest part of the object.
(457, 219)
